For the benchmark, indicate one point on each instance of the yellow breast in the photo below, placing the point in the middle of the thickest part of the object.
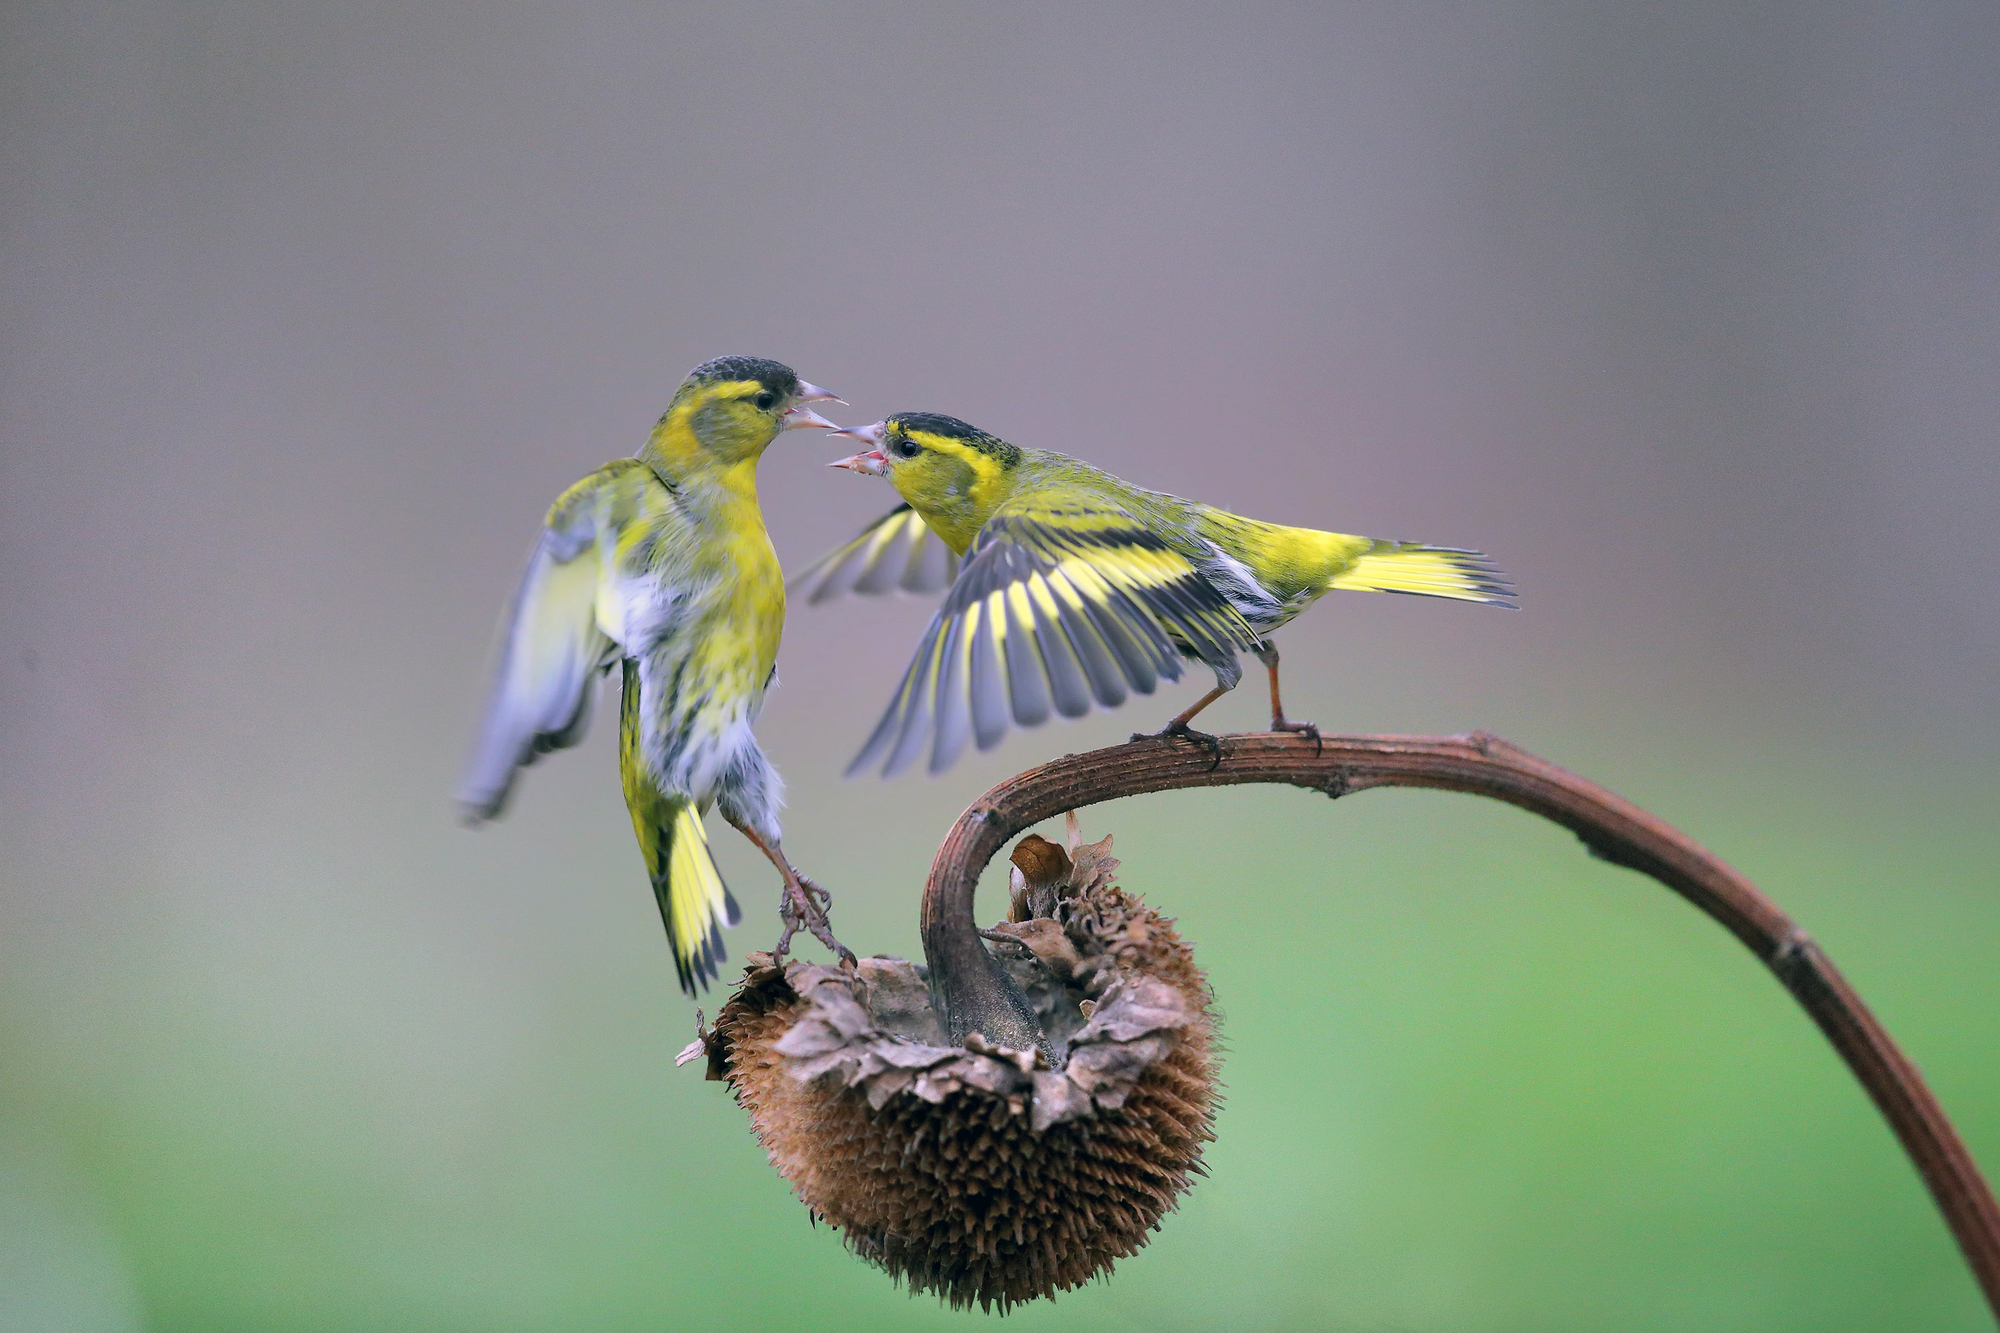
(747, 620)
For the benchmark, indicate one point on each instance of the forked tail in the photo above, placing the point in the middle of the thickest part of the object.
(1424, 571)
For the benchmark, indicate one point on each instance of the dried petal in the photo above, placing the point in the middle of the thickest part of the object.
(969, 1171)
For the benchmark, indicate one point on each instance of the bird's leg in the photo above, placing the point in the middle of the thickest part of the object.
(1179, 728)
(1268, 655)
(803, 903)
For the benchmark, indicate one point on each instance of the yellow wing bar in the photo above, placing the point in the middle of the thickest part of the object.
(1055, 607)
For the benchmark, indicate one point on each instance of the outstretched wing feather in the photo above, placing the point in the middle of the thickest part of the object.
(953, 711)
(896, 551)
(551, 649)
(985, 679)
(1027, 668)
(1056, 605)
(1069, 687)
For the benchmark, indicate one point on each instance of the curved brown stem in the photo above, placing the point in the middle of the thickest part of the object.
(975, 994)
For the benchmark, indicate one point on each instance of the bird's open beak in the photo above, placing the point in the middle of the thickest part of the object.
(870, 461)
(812, 393)
(802, 415)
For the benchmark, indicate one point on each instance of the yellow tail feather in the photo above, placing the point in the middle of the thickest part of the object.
(694, 902)
(1426, 571)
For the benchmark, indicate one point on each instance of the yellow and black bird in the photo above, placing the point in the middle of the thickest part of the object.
(660, 564)
(1068, 584)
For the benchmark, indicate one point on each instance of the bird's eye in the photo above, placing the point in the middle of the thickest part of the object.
(902, 446)
(765, 399)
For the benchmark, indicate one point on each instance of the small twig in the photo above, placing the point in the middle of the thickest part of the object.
(975, 994)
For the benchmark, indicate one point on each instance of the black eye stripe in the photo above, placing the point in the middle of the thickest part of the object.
(957, 432)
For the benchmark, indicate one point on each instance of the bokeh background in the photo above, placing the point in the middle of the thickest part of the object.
(1687, 313)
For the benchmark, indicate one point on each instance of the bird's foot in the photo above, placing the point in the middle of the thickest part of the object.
(804, 907)
(1311, 729)
(791, 927)
(1181, 731)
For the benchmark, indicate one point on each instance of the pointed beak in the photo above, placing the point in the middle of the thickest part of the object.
(796, 417)
(812, 393)
(872, 436)
(871, 461)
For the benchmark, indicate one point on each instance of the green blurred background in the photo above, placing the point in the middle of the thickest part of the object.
(1687, 313)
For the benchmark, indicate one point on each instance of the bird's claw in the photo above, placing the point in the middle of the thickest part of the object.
(804, 906)
(1182, 731)
(791, 926)
(1302, 729)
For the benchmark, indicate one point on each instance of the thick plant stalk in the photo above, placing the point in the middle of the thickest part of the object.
(976, 996)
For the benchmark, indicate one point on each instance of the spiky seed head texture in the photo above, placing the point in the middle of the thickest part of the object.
(968, 1171)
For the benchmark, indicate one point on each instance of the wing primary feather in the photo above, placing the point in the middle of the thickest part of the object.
(1055, 606)
(1068, 687)
(909, 575)
(880, 570)
(953, 717)
(895, 718)
(1107, 681)
(1197, 628)
(1139, 658)
(550, 650)
(838, 570)
(547, 742)
(1202, 618)
(932, 565)
(1027, 679)
(834, 573)
(1133, 635)
(917, 705)
(884, 729)
(833, 576)
(985, 684)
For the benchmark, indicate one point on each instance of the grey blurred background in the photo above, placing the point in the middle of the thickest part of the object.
(1687, 313)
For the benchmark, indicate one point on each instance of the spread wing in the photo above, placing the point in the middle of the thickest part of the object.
(551, 650)
(1059, 603)
(897, 550)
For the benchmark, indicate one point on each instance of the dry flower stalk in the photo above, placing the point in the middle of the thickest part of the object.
(977, 997)
(987, 1173)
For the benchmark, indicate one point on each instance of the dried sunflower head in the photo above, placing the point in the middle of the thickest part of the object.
(976, 1171)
